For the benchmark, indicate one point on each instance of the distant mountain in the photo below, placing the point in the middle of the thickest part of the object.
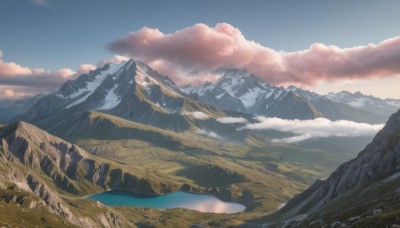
(238, 90)
(366, 102)
(361, 192)
(12, 108)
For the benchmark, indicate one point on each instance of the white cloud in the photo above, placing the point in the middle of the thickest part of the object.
(231, 120)
(307, 129)
(197, 115)
(115, 59)
(1, 54)
(210, 134)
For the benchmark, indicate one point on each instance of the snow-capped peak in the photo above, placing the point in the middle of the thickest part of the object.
(86, 84)
(359, 100)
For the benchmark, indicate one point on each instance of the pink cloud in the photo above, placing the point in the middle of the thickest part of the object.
(115, 59)
(9, 93)
(18, 81)
(85, 68)
(199, 50)
(11, 69)
(66, 73)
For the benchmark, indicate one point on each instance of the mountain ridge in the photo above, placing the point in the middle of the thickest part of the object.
(238, 90)
(134, 91)
(375, 171)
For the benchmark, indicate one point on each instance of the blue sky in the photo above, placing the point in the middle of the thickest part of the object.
(55, 34)
(68, 33)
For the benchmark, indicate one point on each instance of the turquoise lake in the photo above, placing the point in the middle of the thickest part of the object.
(198, 202)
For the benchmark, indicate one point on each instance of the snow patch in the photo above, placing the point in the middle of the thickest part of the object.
(219, 96)
(92, 85)
(249, 99)
(281, 205)
(144, 79)
(111, 100)
(358, 103)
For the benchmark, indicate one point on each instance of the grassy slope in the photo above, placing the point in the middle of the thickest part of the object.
(360, 203)
(268, 175)
(14, 214)
(255, 173)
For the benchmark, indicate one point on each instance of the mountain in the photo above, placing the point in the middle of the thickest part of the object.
(41, 171)
(12, 108)
(238, 90)
(361, 192)
(366, 102)
(130, 90)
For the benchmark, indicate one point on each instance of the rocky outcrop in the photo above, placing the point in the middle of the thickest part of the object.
(378, 161)
(44, 165)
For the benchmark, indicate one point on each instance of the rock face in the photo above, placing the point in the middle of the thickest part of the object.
(238, 90)
(44, 165)
(376, 165)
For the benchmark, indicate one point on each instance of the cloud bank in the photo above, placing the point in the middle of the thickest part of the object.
(307, 129)
(20, 80)
(193, 53)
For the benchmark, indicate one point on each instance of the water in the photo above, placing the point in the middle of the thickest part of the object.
(198, 202)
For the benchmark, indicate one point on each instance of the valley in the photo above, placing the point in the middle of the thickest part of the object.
(199, 114)
(155, 140)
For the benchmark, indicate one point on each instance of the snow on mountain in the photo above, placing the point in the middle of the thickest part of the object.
(108, 87)
(129, 90)
(131, 87)
(371, 103)
(111, 100)
(238, 90)
(91, 85)
(242, 85)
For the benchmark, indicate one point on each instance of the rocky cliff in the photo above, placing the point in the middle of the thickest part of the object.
(364, 186)
(46, 167)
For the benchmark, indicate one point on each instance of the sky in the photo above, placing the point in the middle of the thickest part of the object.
(323, 46)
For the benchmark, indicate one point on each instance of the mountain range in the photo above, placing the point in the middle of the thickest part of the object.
(110, 89)
(238, 90)
(125, 126)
